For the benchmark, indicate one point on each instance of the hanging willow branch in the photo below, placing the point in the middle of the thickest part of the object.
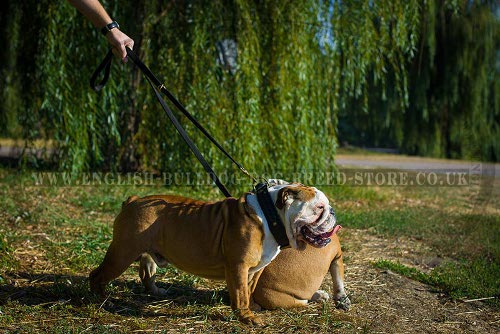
(419, 75)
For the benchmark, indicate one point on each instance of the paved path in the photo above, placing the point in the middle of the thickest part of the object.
(388, 161)
(415, 164)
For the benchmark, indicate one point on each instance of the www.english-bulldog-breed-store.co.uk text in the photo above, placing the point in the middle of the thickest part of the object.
(225, 240)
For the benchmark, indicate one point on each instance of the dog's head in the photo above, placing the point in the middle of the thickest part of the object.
(306, 214)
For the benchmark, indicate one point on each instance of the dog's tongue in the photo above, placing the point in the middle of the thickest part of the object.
(332, 232)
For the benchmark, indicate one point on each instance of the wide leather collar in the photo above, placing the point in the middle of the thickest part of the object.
(272, 216)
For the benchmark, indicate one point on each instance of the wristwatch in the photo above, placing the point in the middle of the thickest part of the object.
(109, 26)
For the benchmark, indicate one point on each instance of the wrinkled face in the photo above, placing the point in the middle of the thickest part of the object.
(306, 213)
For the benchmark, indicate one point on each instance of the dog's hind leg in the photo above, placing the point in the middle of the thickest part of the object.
(270, 299)
(116, 261)
(147, 273)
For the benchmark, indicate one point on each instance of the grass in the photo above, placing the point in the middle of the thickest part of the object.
(464, 238)
(51, 237)
(406, 271)
(468, 238)
(478, 277)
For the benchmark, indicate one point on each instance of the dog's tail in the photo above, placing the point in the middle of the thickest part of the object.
(129, 200)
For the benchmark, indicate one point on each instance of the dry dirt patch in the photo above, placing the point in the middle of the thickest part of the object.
(387, 302)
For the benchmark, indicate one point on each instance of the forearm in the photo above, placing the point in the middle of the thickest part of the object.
(93, 11)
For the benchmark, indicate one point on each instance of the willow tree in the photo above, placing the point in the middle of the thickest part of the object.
(269, 107)
(19, 89)
(375, 42)
(449, 104)
(266, 78)
(455, 105)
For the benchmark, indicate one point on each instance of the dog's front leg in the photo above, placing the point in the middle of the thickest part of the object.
(252, 284)
(237, 284)
(339, 294)
(253, 280)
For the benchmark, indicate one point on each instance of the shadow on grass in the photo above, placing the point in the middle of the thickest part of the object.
(126, 298)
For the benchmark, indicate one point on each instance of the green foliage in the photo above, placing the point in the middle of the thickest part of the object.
(274, 101)
(10, 83)
(410, 73)
(271, 104)
(454, 109)
(450, 103)
(85, 125)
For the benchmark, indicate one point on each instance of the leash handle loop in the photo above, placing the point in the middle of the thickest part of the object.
(105, 66)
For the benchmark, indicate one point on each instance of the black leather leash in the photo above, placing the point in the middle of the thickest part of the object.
(159, 87)
(266, 203)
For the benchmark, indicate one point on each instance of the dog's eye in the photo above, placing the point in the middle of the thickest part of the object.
(332, 212)
(321, 207)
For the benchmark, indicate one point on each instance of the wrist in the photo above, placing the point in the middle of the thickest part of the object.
(107, 28)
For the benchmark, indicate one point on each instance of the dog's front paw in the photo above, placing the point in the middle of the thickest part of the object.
(160, 292)
(254, 306)
(344, 303)
(249, 318)
(320, 296)
(96, 286)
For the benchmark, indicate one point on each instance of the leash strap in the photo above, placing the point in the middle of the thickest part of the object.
(104, 65)
(158, 86)
(189, 142)
(147, 72)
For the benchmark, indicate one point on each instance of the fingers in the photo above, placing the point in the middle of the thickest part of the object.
(128, 42)
(119, 41)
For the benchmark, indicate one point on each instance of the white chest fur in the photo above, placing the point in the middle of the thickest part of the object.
(270, 248)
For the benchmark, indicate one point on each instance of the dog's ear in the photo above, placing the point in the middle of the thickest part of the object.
(284, 194)
(276, 182)
(302, 193)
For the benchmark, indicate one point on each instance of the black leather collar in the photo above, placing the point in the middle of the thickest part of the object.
(272, 216)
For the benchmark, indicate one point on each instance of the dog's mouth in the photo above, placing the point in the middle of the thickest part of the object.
(318, 240)
(322, 239)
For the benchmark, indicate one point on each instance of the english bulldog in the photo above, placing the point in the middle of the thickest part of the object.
(225, 240)
(294, 277)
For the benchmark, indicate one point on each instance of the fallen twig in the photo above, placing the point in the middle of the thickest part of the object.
(478, 299)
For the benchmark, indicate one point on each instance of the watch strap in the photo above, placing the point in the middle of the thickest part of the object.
(109, 26)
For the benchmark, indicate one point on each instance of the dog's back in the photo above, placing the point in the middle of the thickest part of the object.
(129, 200)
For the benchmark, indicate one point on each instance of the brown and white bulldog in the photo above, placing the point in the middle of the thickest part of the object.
(293, 278)
(226, 240)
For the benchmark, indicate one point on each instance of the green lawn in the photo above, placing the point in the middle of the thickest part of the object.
(51, 237)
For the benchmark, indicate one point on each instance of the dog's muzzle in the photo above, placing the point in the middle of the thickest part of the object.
(321, 239)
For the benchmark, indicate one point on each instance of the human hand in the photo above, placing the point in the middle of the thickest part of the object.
(119, 41)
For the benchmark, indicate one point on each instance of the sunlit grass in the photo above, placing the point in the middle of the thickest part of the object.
(51, 237)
